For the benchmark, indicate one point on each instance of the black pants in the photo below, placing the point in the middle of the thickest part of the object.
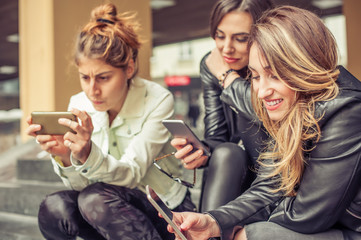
(226, 177)
(103, 211)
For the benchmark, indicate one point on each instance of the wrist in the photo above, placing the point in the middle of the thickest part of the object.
(223, 77)
(214, 227)
(230, 78)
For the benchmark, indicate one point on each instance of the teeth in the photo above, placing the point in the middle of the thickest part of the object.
(272, 103)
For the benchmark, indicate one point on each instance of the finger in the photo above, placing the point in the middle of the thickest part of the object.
(170, 229)
(84, 117)
(29, 120)
(68, 143)
(42, 139)
(193, 156)
(178, 143)
(47, 146)
(197, 163)
(68, 123)
(183, 152)
(32, 129)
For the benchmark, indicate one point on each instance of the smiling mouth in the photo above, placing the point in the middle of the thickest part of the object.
(274, 102)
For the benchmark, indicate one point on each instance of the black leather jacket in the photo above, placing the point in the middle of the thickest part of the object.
(329, 194)
(223, 123)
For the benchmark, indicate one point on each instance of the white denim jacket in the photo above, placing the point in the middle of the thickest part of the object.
(123, 153)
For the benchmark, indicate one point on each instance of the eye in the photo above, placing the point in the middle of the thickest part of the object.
(254, 76)
(274, 77)
(103, 78)
(84, 77)
(219, 35)
(242, 39)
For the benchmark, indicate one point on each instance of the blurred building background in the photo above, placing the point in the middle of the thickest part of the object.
(36, 39)
(179, 35)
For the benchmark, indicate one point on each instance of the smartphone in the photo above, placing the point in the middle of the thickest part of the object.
(49, 122)
(178, 128)
(163, 209)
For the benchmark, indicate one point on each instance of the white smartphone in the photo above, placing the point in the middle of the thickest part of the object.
(178, 128)
(163, 209)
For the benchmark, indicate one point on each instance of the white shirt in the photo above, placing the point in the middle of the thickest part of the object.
(123, 153)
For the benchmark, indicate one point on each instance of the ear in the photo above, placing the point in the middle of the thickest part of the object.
(130, 69)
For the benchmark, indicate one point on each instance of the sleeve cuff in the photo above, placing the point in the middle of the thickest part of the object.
(92, 163)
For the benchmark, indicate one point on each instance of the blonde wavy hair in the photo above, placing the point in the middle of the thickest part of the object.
(302, 53)
(110, 37)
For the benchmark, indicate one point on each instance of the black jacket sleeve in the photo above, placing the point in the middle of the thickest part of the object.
(215, 124)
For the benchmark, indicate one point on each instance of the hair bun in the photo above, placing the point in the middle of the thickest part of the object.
(106, 13)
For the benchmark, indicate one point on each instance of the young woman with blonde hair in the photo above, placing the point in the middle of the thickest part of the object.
(108, 161)
(308, 178)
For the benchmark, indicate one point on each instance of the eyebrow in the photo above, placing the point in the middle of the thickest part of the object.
(266, 68)
(236, 34)
(96, 74)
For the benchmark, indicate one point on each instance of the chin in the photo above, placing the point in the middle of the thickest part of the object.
(237, 66)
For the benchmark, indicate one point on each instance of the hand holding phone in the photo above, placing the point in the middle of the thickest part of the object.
(49, 122)
(163, 210)
(180, 130)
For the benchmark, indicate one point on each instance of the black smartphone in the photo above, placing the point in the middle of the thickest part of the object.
(163, 209)
(180, 129)
(49, 122)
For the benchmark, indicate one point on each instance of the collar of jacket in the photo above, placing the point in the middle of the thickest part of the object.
(133, 107)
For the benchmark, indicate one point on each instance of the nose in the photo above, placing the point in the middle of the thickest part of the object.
(263, 89)
(94, 88)
(228, 46)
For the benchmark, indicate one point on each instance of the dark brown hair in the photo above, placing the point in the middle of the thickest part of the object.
(254, 7)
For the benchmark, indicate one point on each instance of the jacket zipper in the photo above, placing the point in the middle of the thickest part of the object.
(353, 214)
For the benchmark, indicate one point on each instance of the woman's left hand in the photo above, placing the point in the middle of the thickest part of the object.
(216, 64)
(195, 226)
(79, 143)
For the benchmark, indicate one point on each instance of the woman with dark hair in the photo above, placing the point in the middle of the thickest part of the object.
(308, 177)
(107, 162)
(233, 140)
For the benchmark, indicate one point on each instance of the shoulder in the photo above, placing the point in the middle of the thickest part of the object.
(152, 88)
(347, 103)
(204, 58)
(152, 92)
(81, 102)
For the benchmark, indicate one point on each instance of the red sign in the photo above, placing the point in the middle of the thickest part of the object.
(173, 81)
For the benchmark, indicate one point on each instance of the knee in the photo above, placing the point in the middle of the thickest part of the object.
(54, 206)
(94, 202)
(229, 154)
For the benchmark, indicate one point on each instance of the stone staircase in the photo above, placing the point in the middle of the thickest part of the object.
(26, 176)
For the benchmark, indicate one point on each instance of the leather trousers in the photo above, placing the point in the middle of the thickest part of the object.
(227, 176)
(103, 211)
(270, 230)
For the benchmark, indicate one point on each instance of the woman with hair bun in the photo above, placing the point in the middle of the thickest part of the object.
(107, 162)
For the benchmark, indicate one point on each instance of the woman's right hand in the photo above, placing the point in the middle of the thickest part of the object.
(191, 158)
(53, 144)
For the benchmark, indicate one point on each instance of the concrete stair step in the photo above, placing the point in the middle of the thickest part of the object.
(19, 227)
(36, 169)
(24, 197)
(36, 165)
